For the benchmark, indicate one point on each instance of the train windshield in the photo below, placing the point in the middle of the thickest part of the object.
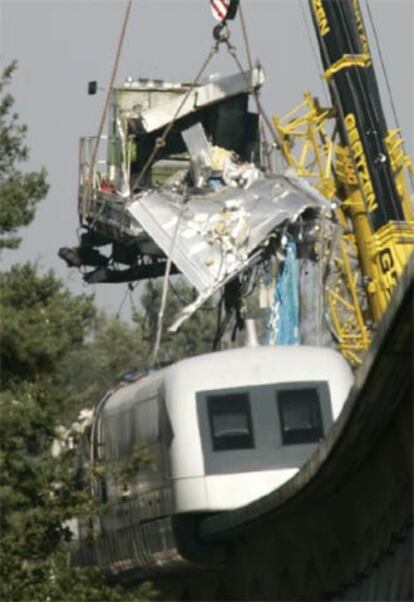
(268, 426)
(300, 415)
(230, 421)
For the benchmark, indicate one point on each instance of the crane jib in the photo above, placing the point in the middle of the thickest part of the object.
(354, 90)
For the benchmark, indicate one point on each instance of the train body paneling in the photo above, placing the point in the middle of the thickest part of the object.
(213, 479)
(207, 434)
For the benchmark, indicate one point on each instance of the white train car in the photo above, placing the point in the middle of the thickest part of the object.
(220, 430)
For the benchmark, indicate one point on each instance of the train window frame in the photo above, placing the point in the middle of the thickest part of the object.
(237, 402)
(306, 435)
(269, 452)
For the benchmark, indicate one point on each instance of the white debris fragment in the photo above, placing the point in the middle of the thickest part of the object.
(222, 230)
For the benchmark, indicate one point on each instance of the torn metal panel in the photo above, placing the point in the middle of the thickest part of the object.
(199, 149)
(200, 96)
(219, 231)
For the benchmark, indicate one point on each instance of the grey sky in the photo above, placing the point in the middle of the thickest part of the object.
(62, 44)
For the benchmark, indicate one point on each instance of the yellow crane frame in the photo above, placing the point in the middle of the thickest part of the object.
(356, 299)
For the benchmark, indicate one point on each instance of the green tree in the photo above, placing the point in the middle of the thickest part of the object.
(42, 324)
(45, 325)
(194, 337)
(57, 355)
(117, 347)
(91, 370)
(19, 192)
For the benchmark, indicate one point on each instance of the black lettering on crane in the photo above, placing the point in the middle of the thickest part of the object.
(387, 263)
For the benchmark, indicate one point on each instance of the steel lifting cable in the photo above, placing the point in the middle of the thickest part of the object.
(333, 85)
(232, 51)
(387, 82)
(87, 192)
(160, 142)
(130, 288)
(374, 30)
(160, 320)
(255, 95)
(260, 110)
(316, 55)
(371, 112)
(122, 303)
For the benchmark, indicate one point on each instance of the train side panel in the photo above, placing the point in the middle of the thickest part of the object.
(136, 534)
(219, 431)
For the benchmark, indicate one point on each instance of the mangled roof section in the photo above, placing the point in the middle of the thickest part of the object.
(140, 112)
(153, 104)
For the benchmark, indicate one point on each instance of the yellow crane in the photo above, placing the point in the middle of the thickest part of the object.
(353, 157)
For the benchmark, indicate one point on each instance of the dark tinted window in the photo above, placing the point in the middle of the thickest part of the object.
(230, 421)
(300, 416)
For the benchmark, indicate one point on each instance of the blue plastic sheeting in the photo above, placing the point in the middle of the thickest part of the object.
(283, 325)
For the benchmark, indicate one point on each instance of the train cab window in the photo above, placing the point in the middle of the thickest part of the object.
(230, 421)
(300, 416)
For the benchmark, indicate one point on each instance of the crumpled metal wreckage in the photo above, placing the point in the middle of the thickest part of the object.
(214, 232)
(213, 220)
(213, 237)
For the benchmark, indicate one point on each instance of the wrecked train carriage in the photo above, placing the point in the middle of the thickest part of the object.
(210, 208)
(140, 112)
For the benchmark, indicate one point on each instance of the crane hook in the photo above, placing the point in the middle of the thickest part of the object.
(221, 33)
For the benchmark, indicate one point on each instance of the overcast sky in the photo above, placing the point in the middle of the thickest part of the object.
(62, 44)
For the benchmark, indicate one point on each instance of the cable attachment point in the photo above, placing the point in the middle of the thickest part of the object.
(221, 33)
(160, 142)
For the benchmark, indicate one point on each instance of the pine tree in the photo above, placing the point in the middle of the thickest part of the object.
(19, 192)
(42, 325)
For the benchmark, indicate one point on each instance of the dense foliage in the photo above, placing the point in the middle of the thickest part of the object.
(43, 329)
(116, 347)
(19, 192)
(59, 354)
(195, 336)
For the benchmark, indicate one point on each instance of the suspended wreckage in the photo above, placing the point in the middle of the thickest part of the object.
(202, 199)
